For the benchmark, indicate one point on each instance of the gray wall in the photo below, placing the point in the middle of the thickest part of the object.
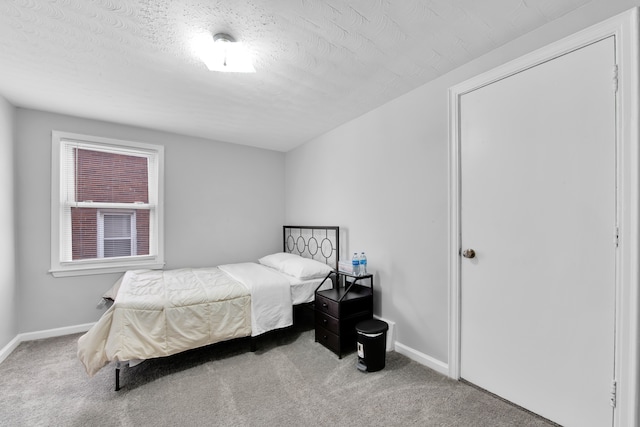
(386, 175)
(223, 203)
(8, 317)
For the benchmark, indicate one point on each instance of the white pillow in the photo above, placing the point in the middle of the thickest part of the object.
(305, 268)
(276, 260)
(296, 266)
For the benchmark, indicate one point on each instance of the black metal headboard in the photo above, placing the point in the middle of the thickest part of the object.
(316, 242)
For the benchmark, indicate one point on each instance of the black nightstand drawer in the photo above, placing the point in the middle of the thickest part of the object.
(325, 321)
(328, 339)
(326, 305)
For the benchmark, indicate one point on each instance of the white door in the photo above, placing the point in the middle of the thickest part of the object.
(538, 206)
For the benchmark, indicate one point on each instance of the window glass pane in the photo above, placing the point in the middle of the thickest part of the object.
(117, 247)
(110, 177)
(117, 226)
(106, 177)
(142, 231)
(87, 228)
(84, 239)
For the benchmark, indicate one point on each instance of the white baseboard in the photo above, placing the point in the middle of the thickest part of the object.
(49, 333)
(57, 332)
(391, 333)
(423, 359)
(8, 349)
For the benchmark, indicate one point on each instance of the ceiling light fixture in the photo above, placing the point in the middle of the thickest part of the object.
(223, 53)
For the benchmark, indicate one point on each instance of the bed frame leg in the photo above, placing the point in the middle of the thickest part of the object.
(117, 379)
(252, 344)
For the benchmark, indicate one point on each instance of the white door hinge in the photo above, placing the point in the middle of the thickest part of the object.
(615, 79)
(614, 392)
(617, 239)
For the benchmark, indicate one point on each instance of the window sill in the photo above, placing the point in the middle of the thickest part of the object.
(85, 270)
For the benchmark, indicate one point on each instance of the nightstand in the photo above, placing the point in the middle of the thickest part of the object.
(337, 310)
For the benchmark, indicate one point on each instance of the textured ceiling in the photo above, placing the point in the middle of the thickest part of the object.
(319, 63)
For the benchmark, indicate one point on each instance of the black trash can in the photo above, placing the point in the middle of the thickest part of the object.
(372, 345)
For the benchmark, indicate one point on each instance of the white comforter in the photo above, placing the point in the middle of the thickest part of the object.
(158, 313)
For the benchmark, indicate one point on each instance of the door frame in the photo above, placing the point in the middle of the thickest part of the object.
(624, 27)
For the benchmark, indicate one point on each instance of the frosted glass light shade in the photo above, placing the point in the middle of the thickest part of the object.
(222, 53)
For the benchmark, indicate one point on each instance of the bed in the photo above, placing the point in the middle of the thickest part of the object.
(158, 313)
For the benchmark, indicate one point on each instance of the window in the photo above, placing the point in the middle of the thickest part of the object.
(117, 234)
(106, 205)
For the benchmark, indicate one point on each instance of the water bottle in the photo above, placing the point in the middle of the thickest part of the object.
(363, 264)
(355, 263)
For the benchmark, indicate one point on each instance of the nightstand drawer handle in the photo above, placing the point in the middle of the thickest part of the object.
(324, 321)
(324, 305)
(324, 337)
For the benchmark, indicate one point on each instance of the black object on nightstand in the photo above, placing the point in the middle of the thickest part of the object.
(339, 309)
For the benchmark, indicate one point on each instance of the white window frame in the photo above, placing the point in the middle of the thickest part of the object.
(132, 234)
(61, 266)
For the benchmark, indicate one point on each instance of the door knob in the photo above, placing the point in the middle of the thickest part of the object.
(469, 253)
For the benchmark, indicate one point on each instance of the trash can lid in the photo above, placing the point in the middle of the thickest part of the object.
(372, 326)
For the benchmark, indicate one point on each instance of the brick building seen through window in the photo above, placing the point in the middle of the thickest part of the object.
(110, 178)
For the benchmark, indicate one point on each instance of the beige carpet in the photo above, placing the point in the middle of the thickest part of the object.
(289, 381)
